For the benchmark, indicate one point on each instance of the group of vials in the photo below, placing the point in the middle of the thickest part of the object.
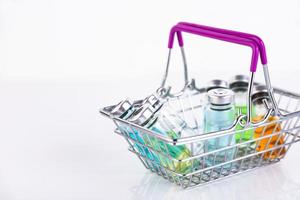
(224, 102)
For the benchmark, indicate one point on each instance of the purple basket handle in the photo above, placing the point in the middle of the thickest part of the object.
(258, 40)
(215, 35)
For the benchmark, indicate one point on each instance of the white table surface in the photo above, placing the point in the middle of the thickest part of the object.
(61, 60)
(55, 145)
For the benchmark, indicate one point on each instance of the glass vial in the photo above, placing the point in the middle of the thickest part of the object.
(260, 94)
(239, 85)
(219, 115)
(124, 110)
(165, 122)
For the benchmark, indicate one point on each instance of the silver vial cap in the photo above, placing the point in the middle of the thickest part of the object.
(216, 83)
(220, 96)
(143, 114)
(152, 100)
(239, 81)
(121, 108)
(260, 91)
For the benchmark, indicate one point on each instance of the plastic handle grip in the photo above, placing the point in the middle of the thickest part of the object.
(258, 40)
(179, 28)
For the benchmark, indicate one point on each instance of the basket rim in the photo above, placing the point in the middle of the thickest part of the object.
(200, 137)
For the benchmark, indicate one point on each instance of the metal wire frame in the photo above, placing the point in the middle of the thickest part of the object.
(246, 156)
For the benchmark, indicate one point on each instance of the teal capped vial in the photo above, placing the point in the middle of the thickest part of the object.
(219, 115)
(124, 110)
(163, 121)
(199, 105)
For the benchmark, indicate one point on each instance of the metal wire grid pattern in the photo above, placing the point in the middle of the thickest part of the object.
(246, 157)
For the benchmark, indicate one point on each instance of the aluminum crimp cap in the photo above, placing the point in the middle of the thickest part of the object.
(239, 81)
(260, 91)
(121, 108)
(216, 83)
(152, 100)
(220, 96)
(143, 114)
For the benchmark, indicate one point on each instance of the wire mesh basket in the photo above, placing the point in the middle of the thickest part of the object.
(272, 136)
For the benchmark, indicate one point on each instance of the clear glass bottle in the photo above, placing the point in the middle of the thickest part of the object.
(259, 95)
(124, 110)
(219, 115)
(239, 85)
(191, 104)
(198, 100)
(212, 84)
(164, 121)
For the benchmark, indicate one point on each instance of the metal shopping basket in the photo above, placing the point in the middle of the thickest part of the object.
(285, 105)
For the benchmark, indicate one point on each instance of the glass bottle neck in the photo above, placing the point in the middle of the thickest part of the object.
(240, 96)
(260, 107)
(221, 107)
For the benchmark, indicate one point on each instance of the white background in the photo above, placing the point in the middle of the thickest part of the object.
(60, 61)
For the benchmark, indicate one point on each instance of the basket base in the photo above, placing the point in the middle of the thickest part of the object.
(205, 176)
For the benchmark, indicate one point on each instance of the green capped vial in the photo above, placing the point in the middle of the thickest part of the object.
(239, 85)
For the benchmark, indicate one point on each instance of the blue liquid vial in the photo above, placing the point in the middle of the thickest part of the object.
(219, 115)
(165, 122)
(124, 110)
